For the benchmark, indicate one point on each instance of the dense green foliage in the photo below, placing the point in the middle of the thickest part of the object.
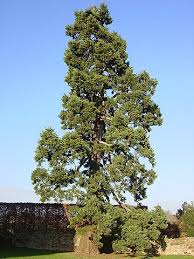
(186, 218)
(105, 151)
(140, 231)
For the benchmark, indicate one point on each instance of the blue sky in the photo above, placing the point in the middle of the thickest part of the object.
(160, 39)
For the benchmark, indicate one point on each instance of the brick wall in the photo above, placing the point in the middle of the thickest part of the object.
(36, 225)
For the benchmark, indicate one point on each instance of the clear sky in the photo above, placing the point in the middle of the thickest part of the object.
(160, 39)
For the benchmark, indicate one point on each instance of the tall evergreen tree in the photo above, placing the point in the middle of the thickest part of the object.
(105, 151)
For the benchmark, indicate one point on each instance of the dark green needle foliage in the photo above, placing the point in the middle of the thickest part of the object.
(186, 219)
(105, 151)
(139, 231)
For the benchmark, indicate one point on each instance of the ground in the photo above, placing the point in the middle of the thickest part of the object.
(32, 253)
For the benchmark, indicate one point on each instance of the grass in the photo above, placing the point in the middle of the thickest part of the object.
(25, 253)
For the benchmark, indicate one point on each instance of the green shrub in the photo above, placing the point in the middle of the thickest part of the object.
(140, 231)
(186, 217)
(190, 232)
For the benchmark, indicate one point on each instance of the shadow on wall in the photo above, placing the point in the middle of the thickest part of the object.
(7, 250)
(38, 226)
(173, 230)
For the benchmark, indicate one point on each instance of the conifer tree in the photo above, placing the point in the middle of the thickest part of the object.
(105, 151)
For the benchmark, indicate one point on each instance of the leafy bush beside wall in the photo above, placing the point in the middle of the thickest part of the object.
(186, 217)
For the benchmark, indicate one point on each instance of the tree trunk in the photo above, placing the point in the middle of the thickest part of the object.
(85, 245)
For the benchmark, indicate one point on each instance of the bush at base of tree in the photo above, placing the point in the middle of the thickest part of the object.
(140, 231)
(135, 231)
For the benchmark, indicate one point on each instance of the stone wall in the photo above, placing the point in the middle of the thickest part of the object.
(36, 225)
(44, 226)
(179, 246)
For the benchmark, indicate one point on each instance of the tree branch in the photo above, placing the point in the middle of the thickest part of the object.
(104, 143)
(82, 161)
(122, 205)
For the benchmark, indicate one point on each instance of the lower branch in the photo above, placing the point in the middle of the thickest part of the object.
(122, 205)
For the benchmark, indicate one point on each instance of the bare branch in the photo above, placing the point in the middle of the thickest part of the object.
(83, 160)
(104, 143)
(122, 205)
